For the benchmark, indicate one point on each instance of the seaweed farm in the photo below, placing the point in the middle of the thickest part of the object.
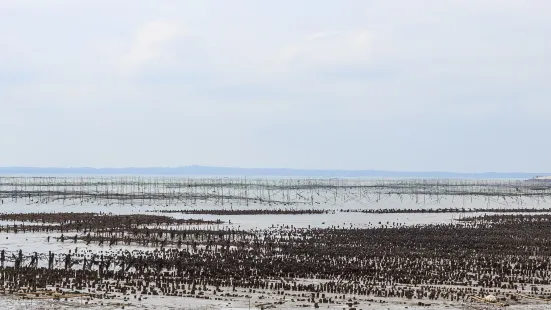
(244, 192)
(229, 243)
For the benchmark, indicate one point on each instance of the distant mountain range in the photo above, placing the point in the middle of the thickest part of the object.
(260, 172)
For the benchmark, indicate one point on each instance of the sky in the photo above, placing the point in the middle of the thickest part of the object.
(426, 85)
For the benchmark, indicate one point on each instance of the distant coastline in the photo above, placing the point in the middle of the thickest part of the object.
(260, 172)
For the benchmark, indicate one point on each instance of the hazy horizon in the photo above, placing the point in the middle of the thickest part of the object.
(195, 170)
(316, 84)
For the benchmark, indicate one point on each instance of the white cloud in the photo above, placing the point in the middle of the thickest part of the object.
(149, 43)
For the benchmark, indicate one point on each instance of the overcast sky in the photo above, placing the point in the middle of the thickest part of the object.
(351, 84)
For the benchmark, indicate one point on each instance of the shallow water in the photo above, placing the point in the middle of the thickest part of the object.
(37, 242)
(356, 219)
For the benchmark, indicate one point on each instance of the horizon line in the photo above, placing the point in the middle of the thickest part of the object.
(234, 170)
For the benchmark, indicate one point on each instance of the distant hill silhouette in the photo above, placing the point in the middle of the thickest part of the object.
(259, 172)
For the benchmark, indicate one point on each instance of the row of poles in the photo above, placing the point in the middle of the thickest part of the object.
(136, 190)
